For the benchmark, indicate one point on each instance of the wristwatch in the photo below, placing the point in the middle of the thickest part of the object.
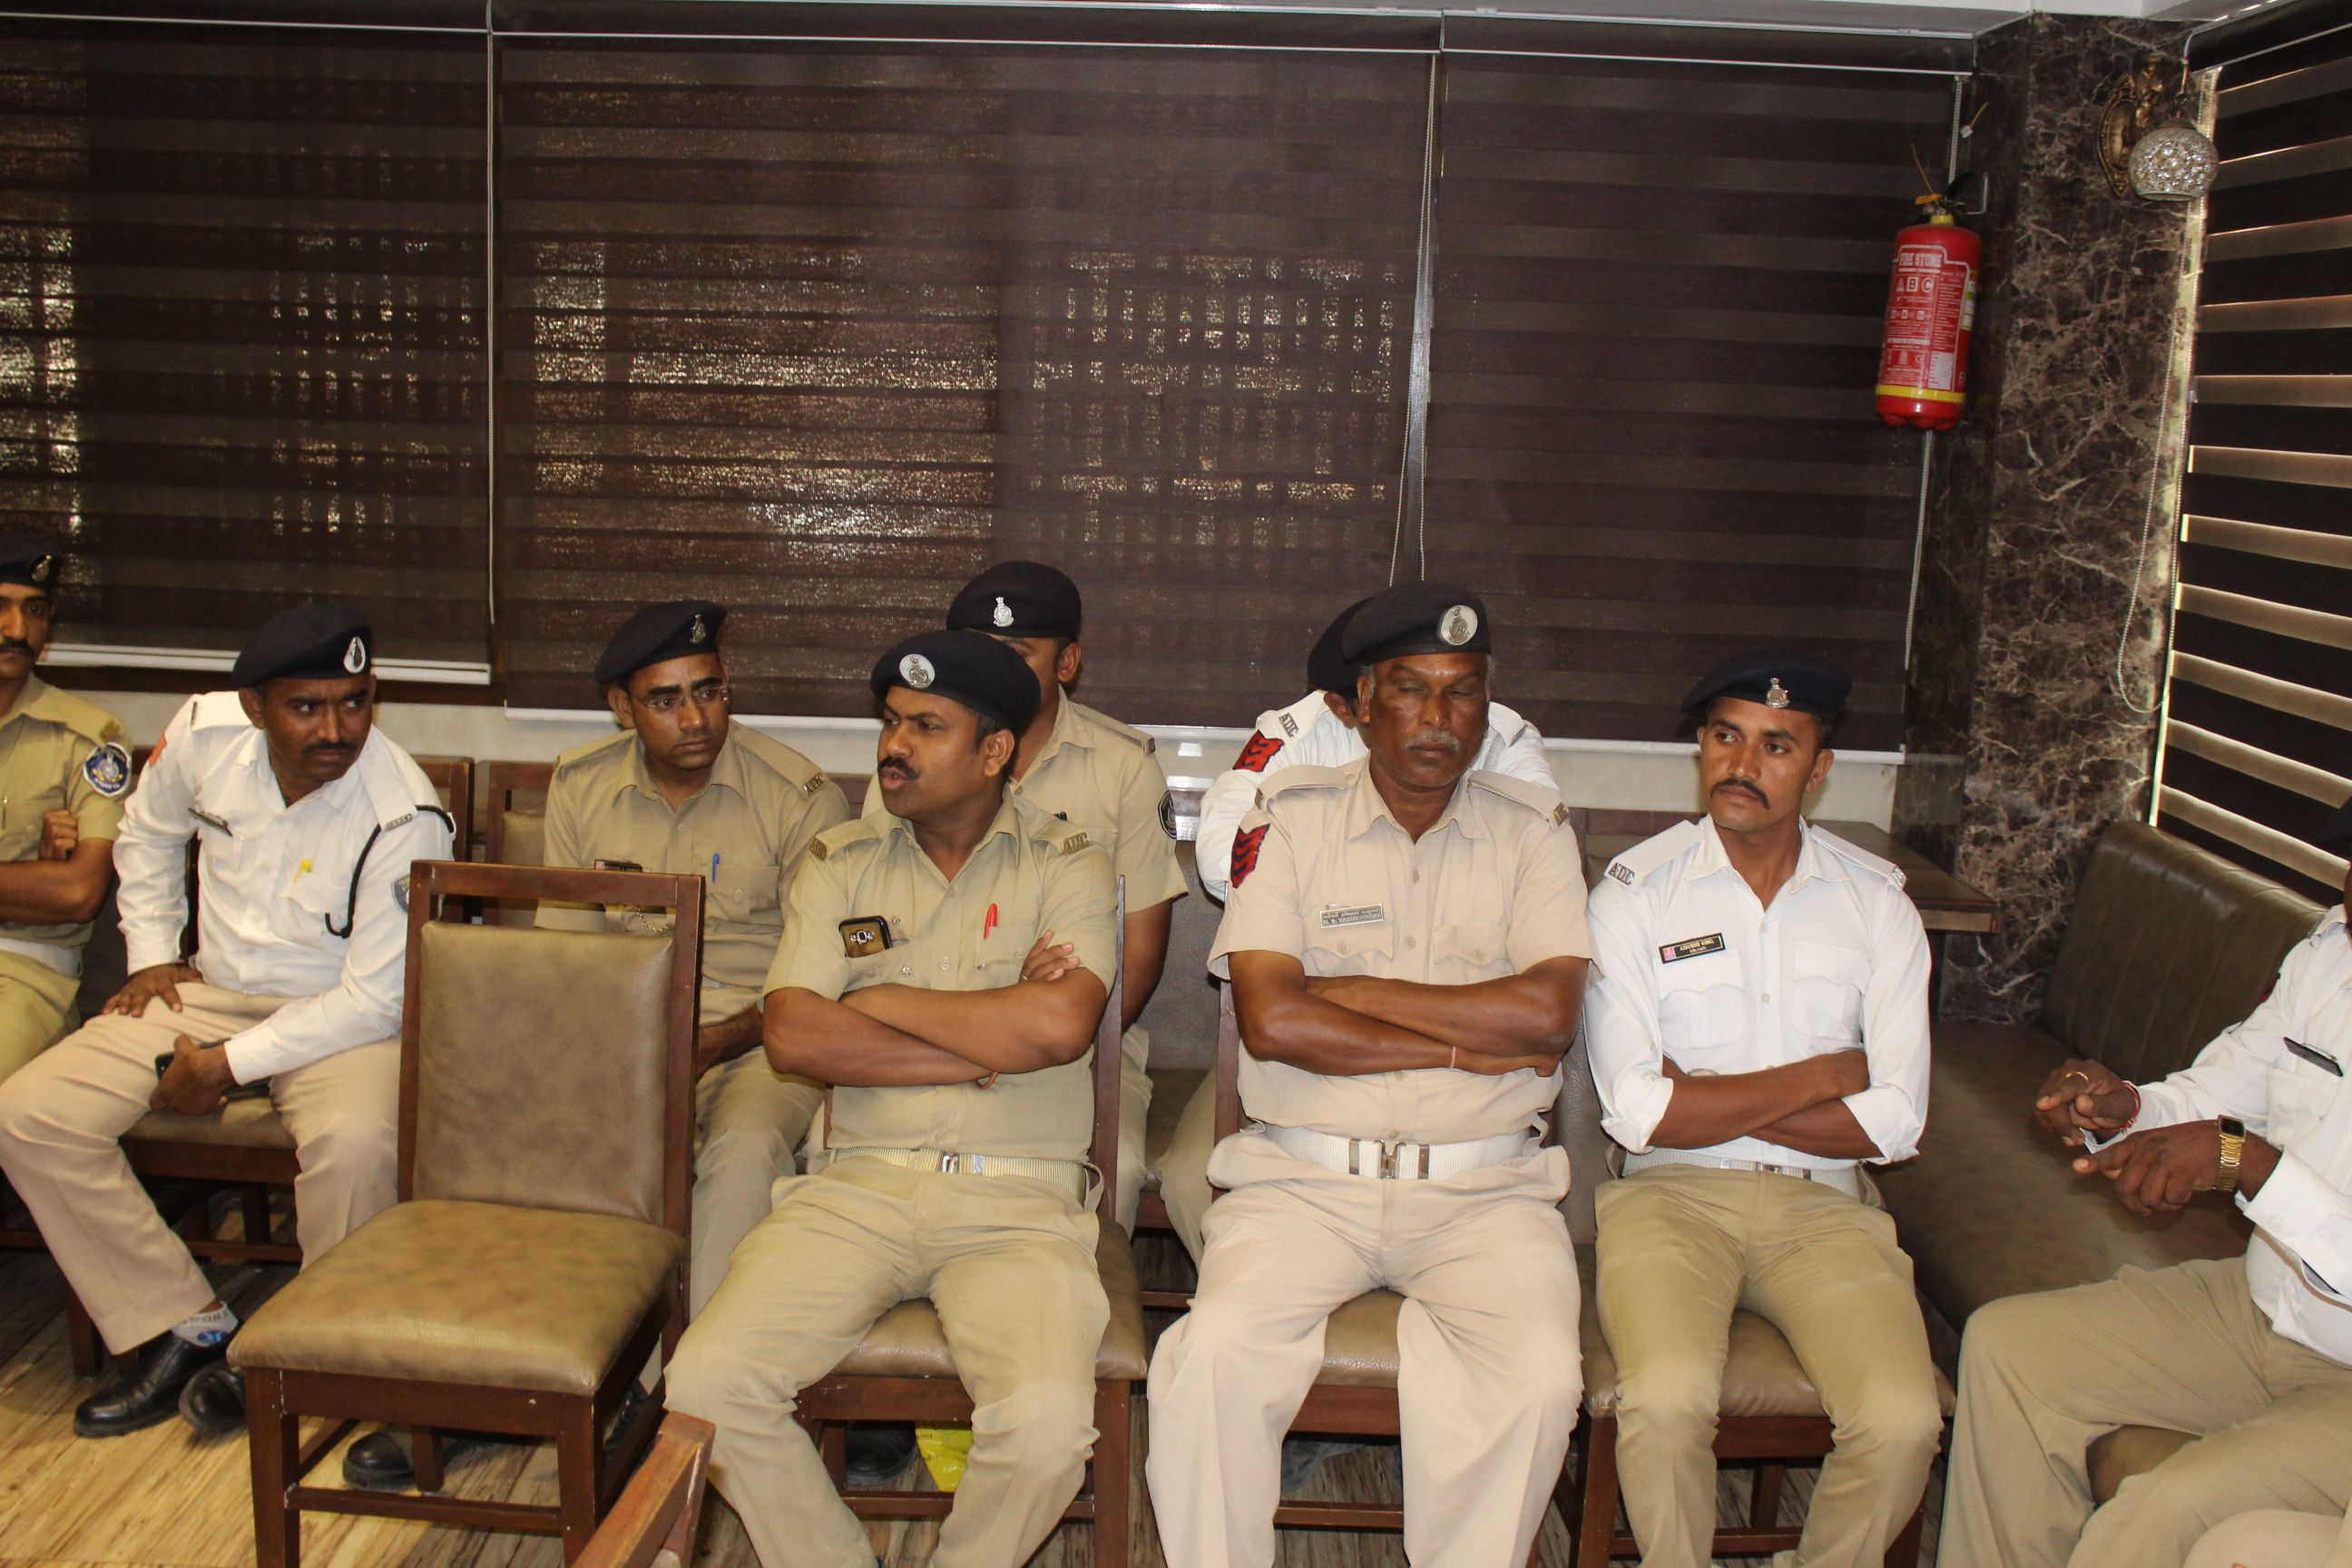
(2233, 1144)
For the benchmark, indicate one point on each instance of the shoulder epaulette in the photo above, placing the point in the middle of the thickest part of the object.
(842, 836)
(1302, 775)
(592, 751)
(1127, 732)
(779, 759)
(1631, 868)
(1863, 858)
(1545, 802)
(79, 715)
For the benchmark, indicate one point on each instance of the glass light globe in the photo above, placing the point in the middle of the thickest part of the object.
(2173, 163)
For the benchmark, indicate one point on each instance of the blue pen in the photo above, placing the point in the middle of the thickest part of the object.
(714, 869)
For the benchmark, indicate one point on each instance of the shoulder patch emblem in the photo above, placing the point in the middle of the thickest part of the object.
(1246, 848)
(817, 849)
(1289, 724)
(816, 782)
(108, 769)
(1168, 812)
(1558, 814)
(400, 892)
(1620, 872)
(1074, 843)
(1258, 751)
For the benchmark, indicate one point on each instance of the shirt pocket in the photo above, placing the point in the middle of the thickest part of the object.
(746, 895)
(1829, 981)
(998, 957)
(2303, 1100)
(312, 898)
(1370, 948)
(20, 822)
(1468, 954)
(1702, 1008)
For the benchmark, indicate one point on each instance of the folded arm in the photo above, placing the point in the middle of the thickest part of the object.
(1532, 1014)
(1284, 1021)
(57, 892)
(1012, 1028)
(811, 1034)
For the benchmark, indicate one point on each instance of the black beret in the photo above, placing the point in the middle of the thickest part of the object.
(1416, 618)
(27, 561)
(1017, 599)
(977, 671)
(669, 630)
(308, 642)
(2339, 826)
(1326, 669)
(1777, 679)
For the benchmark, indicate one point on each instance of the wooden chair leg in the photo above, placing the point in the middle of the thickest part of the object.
(81, 1338)
(1764, 1495)
(1113, 1480)
(425, 1459)
(576, 1477)
(255, 1200)
(273, 1434)
(1596, 1525)
(833, 1444)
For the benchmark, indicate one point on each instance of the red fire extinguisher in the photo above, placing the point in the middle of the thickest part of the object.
(1931, 313)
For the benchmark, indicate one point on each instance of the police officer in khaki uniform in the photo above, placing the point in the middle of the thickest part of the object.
(682, 791)
(1098, 774)
(916, 977)
(62, 759)
(1407, 948)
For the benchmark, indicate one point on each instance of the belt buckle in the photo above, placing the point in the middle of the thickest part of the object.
(948, 1162)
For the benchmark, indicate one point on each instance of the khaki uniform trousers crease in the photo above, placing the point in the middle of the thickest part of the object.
(62, 1119)
(750, 1124)
(1134, 1113)
(1680, 1248)
(36, 1009)
(1184, 1168)
(1489, 1371)
(2186, 1347)
(1008, 1263)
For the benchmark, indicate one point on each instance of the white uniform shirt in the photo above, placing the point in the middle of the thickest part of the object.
(1689, 965)
(1306, 732)
(2299, 1268)
(273, 876)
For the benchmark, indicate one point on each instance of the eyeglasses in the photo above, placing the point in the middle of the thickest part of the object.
(710, 694)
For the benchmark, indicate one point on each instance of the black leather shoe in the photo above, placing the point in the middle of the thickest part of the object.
(877, 1455)
(151, 1394)
(214, 1401)
(380, 1461)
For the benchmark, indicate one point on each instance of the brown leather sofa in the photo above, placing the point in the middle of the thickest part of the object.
(2167, 945)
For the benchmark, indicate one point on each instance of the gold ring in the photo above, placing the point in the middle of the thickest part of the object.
(2077, 1072)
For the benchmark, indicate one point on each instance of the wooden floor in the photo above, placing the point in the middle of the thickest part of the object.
(161, 1498)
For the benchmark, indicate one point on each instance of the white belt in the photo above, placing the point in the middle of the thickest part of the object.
(66, 960)
(1069, 1173)
(1390, 1159)
(1846, 1179)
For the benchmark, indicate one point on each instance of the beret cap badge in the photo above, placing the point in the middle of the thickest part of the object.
(355, 656)
(1776, 695)
(1002, 614)
(42, 567)
(700, 633)
(1459, 624)
(917, 671)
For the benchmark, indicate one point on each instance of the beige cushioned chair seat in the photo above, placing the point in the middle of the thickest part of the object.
(2128, 1451)
(1171, 1091)
(469, 1293)
(240, 1124)
(907, 1341)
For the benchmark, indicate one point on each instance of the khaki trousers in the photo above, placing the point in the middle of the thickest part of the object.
(1680, 1248)
(2275, 1538)
(750, 1121)
(62, 1119)
(1184, 1168)
(2043, 1375)
(1009, 1264)
(1134, 1110)
(37, 1008)
(1489, 1373)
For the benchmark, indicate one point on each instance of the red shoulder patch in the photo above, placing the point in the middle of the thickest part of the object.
(1257, 752)
(1246, 848)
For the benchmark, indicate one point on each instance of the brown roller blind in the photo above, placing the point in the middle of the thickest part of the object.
(820, 329)
(2258, 739)
(242, 331)
(1659, 292)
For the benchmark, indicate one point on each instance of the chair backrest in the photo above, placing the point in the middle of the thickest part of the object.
(549, 1068)
(453, 780)
(653, 1521)
(2167, 945)
(514, 828)
(1107, 1060)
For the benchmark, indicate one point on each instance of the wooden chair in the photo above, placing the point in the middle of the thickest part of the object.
(874, 1382)
(653, 1524)
(453, 780)
(514, 828)
(538, 1253)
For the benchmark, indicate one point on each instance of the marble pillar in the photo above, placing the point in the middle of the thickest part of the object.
(2025, 741)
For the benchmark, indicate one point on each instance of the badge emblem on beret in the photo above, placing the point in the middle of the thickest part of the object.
(108, 769)
(1776, 695)
(700, 633)
(355, 657)
(1002, 614)
(917, 671)
(42, 566)
(1458, 626)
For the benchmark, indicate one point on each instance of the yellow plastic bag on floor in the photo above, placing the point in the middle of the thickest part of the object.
(945, 1450)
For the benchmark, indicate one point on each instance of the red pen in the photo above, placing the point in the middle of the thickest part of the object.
(988, 924)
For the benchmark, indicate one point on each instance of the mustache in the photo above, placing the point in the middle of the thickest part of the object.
(15, 645)
(896, 770)
(1444, 738)
(1742, 784)
(325, 748)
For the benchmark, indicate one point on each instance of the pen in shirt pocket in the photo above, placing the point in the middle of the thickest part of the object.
(714, 868)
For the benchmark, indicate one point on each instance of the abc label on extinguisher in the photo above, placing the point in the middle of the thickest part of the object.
(1931, 310)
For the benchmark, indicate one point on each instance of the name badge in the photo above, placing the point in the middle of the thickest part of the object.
(1360, 915)
(1690, 947)
(602, 864)
(864, 935)
(2319, 1059)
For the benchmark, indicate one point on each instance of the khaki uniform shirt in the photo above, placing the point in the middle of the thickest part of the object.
(744, 833)
(1327, 875)
(1036, 874)
(1098, 774)
(57, 753)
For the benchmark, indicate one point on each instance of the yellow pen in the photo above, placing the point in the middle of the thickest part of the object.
(299, 870)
